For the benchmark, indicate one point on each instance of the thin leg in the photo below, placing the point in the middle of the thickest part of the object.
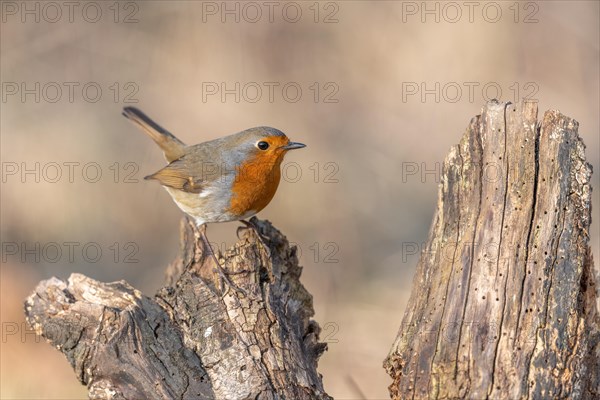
(261, 238)
(217, 265)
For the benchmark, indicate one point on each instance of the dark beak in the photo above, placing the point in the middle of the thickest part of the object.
(293, 145)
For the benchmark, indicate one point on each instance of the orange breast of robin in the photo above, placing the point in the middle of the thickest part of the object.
(256, 183)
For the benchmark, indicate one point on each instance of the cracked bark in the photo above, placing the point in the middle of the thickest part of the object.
(196, 338)
(503, 304)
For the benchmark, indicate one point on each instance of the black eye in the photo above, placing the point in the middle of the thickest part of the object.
(262, 145)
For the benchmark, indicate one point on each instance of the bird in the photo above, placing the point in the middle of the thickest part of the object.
(226, 179)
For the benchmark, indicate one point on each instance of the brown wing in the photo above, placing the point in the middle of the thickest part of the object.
(177, 176)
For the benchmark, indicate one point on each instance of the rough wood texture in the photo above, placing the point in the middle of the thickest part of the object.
(503, 300)
(197, 338)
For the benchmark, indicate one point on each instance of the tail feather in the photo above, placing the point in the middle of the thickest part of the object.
(172, 147)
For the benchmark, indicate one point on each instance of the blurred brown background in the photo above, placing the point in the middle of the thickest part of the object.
(363, 189)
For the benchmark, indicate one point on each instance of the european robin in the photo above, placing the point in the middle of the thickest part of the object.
(225, 179)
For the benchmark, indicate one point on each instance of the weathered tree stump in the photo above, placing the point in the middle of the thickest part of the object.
(503, 300)
(198, 337)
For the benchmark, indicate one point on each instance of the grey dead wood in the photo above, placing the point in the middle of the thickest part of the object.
(196, 338)
(503, 304)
